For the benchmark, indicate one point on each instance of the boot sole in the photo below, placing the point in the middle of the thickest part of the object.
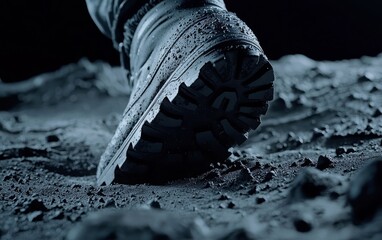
(199, 125)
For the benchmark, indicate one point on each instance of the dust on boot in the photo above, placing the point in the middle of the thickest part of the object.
(200, 83)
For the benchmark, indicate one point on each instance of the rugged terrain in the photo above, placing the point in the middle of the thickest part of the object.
(298, 177)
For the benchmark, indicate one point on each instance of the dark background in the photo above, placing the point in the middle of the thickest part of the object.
(42, 35)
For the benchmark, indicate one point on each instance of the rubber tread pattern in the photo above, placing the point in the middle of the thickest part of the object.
(204, 120)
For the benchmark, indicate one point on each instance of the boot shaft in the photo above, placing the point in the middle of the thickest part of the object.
(153, 20)
(173, 29)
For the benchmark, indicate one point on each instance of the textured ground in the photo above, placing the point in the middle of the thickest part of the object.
(298, 177)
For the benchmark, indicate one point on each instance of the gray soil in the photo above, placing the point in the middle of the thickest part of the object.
(311, 171)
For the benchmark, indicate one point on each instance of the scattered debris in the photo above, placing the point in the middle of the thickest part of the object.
(55, 159)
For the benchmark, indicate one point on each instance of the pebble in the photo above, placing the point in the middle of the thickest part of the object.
(366, 77)
(377, 113)
(269, 176)
(231, 205)
(110, 203)
(253, 190)
(302, 225)
(340, 151)
(350, 150)
(35, 205)
(224, 197)
(245, 175)
(52, 138)
(155, 204)
(324, 162)
(260, 200)
(307, 162)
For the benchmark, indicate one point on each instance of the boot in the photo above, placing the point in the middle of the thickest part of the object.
(201, 82)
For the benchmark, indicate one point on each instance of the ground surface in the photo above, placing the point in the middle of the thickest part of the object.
(291, 180)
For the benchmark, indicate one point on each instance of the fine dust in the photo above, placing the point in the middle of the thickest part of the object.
(311, 171)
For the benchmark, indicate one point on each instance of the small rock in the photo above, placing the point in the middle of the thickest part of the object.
(366, 77)
(245, 175)
(334, 195)
(236, 154)
(35, 216)
(35, 205)
(52, 138)
(377, 113)
(365, 192)
(350, 150)
(340, 151)
(307, 162)
(253, 190)
(269, 176)
(9, 176)
(155, 204)
(110, 203)
(255, 166)
(302, 225)
(260, 200)
(231, 205)
(324, 162)
(269, 165)
(224, 197)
